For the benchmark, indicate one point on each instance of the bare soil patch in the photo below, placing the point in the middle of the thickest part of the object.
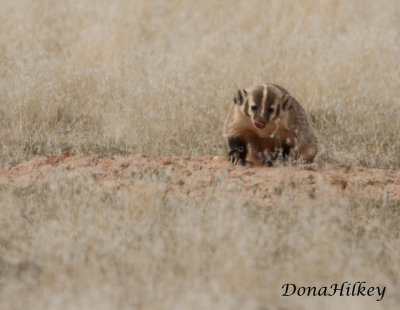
(191, 175)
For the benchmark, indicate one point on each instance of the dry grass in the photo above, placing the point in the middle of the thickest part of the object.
(157, 77)
(65, 246)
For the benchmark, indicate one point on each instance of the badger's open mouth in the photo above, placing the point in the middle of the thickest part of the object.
(259, 125)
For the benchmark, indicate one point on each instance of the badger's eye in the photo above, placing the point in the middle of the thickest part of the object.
(270, 110)
(254, 107)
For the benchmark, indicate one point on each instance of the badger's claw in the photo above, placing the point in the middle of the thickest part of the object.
(237, 156)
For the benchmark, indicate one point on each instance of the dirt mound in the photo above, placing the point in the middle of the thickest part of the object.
(191, 175)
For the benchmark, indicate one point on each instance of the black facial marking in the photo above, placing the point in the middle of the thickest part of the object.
(238, 151)
(271, 96)
(269, 102)
(257, 96)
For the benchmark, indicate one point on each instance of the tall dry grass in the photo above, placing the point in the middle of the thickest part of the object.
(144, 246)
(157, 77)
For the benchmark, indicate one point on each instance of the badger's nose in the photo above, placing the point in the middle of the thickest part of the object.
(259, 125)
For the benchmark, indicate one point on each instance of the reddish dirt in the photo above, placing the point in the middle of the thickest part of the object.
(193, 175)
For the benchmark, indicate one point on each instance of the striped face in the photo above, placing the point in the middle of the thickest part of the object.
(262, 103)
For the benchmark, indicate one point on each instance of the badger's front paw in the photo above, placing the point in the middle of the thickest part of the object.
(237, 156)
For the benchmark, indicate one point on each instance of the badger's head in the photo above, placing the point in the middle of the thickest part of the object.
(262, 103)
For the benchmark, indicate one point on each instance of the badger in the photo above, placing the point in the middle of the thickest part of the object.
(265, 124)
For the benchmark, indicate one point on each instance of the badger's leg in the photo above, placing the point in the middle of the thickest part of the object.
(308, 152)
(238, 151)
(281, 153)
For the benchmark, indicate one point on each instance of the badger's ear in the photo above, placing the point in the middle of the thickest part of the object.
(287, 102)
(240, 96)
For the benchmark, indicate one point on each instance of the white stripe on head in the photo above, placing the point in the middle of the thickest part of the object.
(264, 99)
